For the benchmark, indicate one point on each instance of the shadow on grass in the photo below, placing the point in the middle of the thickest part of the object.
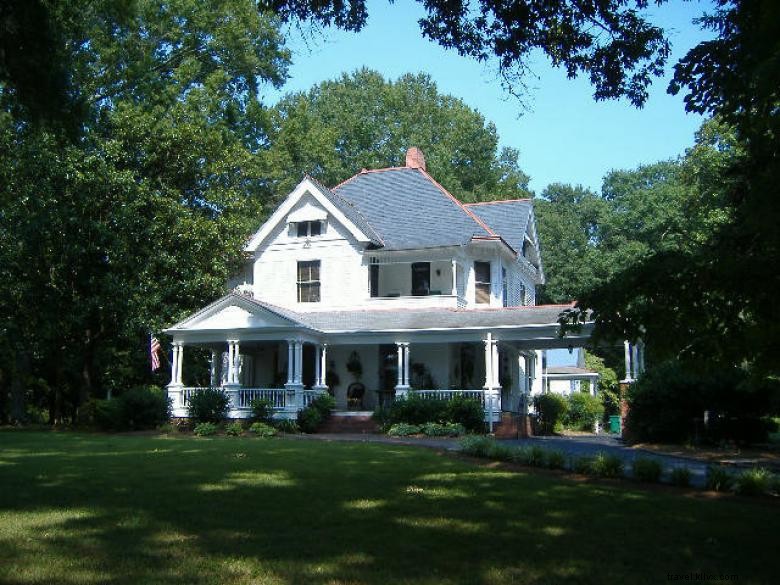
(110, 509)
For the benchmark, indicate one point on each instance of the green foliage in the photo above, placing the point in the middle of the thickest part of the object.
(605, 465)
(646, 469)
(417, 410)
(668, 403)
(719, 479)
(362, 120)
(142, 407)
(583, 465)
(234, 429)
(262, 410)
(208, 405)
(467, 412)
(753, 482)
(556, 459)
(551, 409)
(309, 420)
(680, 476)
(287, 426)
(404, 430)
(583, 411)
(608, 387)
(533, 456)
(205, 429)
(433, 429)
(261, 429)
(477, 446)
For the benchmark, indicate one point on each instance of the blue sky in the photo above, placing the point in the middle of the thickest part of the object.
(562, 134)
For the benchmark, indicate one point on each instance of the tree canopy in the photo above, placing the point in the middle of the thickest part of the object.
(362, 120)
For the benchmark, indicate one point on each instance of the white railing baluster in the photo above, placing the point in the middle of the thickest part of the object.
(275, 396)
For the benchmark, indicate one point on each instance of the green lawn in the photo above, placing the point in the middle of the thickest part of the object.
(78, 508)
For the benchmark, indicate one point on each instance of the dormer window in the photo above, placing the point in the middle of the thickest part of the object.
(307, 229)
(482, 282)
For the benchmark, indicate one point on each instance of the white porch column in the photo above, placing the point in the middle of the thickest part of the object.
(489, 378)
(180, 365)
(454, 277)
(634, 361)
(317, 366)
(298, 362)
(214, 378)
(496, 366)
(400, 381)
(406, 365)
(402, 387)
(175, 364)
(627, 357)
(290, 361)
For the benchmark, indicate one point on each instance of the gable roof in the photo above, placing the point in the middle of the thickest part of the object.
(408, 209)
(509, 218)
(341, 210)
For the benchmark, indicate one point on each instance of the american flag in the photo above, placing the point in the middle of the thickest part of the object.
(154, 352)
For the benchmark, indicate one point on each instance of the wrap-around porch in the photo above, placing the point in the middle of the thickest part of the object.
(290, 373)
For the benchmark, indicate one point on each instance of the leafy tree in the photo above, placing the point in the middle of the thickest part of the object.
(362, 120)
(569, 220)
(141, 219)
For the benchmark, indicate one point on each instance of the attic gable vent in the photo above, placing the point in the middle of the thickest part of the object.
(415, 158)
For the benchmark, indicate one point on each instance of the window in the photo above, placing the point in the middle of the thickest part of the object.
(309, 281)
(309, 228)
(504, 287)
(373, 280)
(523, 300)
(482, 275)
(421, 279)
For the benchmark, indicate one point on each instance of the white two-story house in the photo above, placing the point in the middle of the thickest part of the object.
(383, 285)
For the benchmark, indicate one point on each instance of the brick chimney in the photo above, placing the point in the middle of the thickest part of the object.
(415, 158)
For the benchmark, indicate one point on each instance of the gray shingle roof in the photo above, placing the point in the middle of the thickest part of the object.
(424, 319)
(408, 210)
(509, 219)
(348, 209)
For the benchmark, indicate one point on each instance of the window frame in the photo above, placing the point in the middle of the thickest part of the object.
(308, 231)
(479, 285)
(311, 284)
(417, 269)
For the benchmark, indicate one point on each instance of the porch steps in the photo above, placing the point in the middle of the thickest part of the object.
(350, 422)
(511, 426)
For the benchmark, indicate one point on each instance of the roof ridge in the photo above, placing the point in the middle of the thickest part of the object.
(497, 201)
(367, 171)
(457, 202)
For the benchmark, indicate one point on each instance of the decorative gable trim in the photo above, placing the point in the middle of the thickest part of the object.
(280, 215)
(241, 302)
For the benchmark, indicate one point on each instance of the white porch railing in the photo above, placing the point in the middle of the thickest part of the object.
(478, 395)
(309, 396)
(186, 394)
(276, 396)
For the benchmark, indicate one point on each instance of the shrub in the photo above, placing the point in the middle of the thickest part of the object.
(262, 429)
(583, 411)
(582, 465)
(416, 410)
(647, 470)
(209, 405)
(309, 420)
(324, 404)
(262, 409)
(477, 446)
(556, 459)
(141, 407)
(466, 411)
(443, 429)
(286, 425)
(604, 465)
(533, 456)
(753, 482)
(501, 452)
(403, 430)
(205, 429)
(680, 476)
(551, 409)
(234, 429)
(719, 479)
